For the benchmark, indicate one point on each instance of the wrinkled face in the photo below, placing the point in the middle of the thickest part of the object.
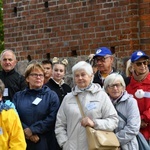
(104, 64)
(8, 61)
(140, 66)
(58, 72)
(35, 79)
(48, 70)
(115, 90)
(82, 79)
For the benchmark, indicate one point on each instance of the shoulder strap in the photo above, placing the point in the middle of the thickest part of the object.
(122, 116)
(80, 107)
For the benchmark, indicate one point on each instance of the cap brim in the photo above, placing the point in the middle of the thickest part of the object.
(145, 56)
(101, 55)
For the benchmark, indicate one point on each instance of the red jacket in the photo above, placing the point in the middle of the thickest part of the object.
(143, 103)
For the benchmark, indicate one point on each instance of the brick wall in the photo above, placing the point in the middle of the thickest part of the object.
(68, 28)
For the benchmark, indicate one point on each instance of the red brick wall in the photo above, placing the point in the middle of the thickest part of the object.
(76, 27)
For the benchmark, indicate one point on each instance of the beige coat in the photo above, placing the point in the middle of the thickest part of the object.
(96, 105)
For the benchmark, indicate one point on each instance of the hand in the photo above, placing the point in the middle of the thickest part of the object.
(143, 124)
(28, 133)
(34, 138)
(87, 122)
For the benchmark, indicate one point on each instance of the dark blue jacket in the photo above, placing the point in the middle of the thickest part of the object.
(39, 118)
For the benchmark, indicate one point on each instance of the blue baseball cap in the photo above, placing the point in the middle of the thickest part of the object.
(102, 51)
(137, 55)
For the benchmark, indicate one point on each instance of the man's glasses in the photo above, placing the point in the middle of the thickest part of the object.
(36, 75)
(101, 59)
(117, 85)
(145, 62)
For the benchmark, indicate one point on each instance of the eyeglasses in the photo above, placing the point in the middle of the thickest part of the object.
(117, 85)
(101, 59)
(36, 75)
(145, 62)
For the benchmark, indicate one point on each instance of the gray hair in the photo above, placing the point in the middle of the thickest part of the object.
(2, 87)
(112, 78)
(82, 65)
(7, 50)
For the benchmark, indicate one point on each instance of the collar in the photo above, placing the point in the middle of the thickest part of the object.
(100, 74)
(61, 82)
(8, 73)
(115, 101)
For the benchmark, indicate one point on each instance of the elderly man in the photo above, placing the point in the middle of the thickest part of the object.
(139, 86)
(104, 60)
(13, 81)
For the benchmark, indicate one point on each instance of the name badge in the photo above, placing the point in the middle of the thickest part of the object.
(36, 101)
(1, 131)
(91, 106)
(5, 92)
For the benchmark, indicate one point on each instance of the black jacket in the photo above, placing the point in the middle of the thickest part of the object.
(60, 90)
(13, 81)
(98, 78)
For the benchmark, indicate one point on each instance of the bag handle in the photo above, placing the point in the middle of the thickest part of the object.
(80, 107)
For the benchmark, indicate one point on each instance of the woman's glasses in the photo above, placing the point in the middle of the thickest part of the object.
(117, 85)
(145, 62)
(34, 75)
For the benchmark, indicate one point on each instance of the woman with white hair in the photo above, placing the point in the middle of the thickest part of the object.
(128, 112)
(100, 113)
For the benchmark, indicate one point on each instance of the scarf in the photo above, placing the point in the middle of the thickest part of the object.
(140, 77)
(4, 106)
(86, 88)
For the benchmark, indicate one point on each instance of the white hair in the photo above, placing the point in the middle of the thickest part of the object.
(112, 78)
(7, 50)
(82, 65)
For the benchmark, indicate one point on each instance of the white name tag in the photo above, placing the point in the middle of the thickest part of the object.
(1, 131)
(5, 92)
(36, 101)
(91, 106)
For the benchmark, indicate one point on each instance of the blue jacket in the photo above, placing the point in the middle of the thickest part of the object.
(40, 118)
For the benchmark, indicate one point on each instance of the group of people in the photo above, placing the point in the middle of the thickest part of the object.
(45, 112)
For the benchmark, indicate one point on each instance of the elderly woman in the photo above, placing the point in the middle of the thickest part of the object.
(126, 106)
(37, 106)
(11, 132)
(100, 113)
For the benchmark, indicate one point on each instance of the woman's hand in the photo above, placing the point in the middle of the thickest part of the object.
(87, 122)
(143, 124)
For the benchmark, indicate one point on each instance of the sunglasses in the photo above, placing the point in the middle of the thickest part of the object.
(142, 62)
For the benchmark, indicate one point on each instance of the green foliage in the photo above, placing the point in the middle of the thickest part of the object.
(1, 27)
